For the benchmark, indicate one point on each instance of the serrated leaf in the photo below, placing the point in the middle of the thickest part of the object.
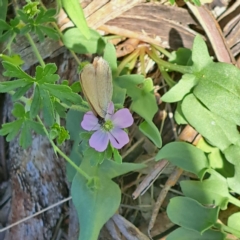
(182, 88)
(74, 40)
(25, 139)
(15, 71)
(21, 91)
(15, 59)
(185, 156)
(36, 103)
(50, 32)
(217, 130)
(180, 211)
(46, 74)
(64, 93)
(48, 111)
(18, 110)
(75, 12)
(37, 127)
(11, 129)
(11, 85)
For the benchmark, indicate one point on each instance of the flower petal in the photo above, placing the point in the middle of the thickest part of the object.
(99, 140)
(110, 111)
(90, 122)
(118, 138)
(122, 118)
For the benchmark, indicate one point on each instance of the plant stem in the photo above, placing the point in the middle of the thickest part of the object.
(35, 50)
(167, 65)
(230, 230)
(57, 150)
(162, 50)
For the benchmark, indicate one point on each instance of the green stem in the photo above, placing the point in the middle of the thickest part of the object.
(167, 65)
(35, 50)
(61, 35)
(162, 50)
(57, 150)
(166, 77)
(230, 230)
(126, 60)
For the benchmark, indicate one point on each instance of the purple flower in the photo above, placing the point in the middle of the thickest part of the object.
(108, 129)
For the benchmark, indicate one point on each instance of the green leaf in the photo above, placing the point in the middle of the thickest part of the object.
(110, 56)
(217, 130)
(60, 109)
(200, 56)
(25, 139)
(189, 214)
(232, 155)
(218, 89)
(46, 74)
(186, 156)
(183, 56)
(18, 110)
(50, 32)
(94, 206)
(36, 103)
(233, 221)
(3, 24)
(183, 87)
(179, 116)
(74, 40)
(11, 85)
(116, 156)
(214, 190)
(187, 234)
(75, 12)
(11, 129)
(15, 71)
(37, 127)
(64, 93)
(45, 16)
(141, 92)
(15, 59)
(21, 91)
(48, 111)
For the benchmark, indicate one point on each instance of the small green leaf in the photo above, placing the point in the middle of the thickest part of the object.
(110, 56)
(74, 40)
(50, 32)
(14, 59)
(185, 156)
(75, 12)
(46, 74)
(200, 56)
(18, 110)
(11, 129)
(21, 91)
(4, 25)
(37, 127)
(183, 56)
(117, 157)
(36, 103)
(15, 71)
(25, 139)
(12, 85)
(182, 88)
(187, 234)
(48, 111)
(233, 221)
(189, 214)
(60, 109)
